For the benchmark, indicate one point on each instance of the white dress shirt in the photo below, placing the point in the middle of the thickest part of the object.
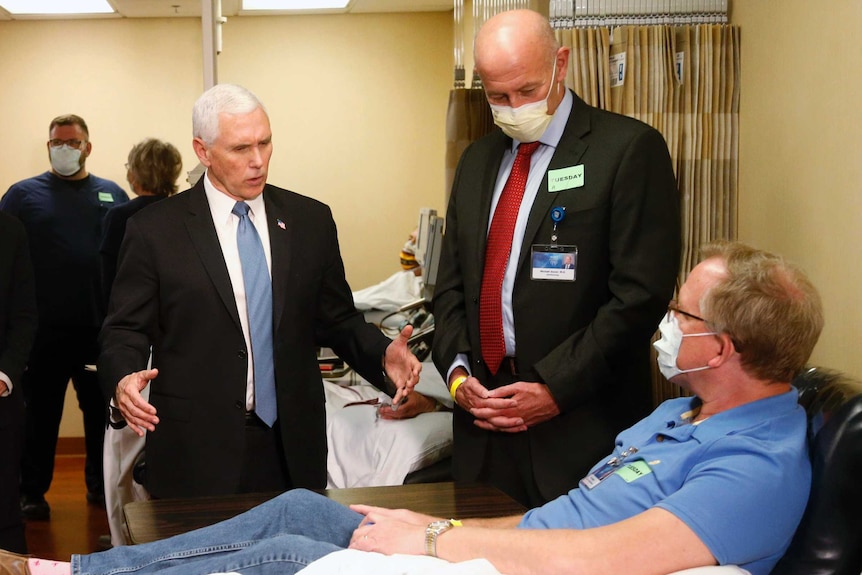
(226, 224)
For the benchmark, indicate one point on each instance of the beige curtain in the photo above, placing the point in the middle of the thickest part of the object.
(684, 81)
(468, 118)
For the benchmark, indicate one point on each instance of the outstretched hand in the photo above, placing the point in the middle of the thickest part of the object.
(138, 413)
(401, 365)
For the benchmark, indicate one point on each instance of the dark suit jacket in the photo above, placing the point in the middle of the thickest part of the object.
(588, 340)
(113, 231)
(18, 321)
(173, 291)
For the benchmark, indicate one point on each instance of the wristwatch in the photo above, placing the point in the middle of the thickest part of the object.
(434, 530)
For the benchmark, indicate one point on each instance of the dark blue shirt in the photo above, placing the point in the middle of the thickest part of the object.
(63, 219)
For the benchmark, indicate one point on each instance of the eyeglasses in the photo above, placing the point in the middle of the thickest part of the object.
(55, 143)
(673, 306)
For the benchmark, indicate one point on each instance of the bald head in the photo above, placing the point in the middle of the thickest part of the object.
(512, 39)
(520, 61)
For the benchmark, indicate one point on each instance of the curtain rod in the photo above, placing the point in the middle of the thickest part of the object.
(594, 13)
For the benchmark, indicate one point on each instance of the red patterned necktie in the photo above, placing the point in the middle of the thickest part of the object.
(497, 254)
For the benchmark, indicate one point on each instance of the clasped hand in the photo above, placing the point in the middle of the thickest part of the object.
(511, 408)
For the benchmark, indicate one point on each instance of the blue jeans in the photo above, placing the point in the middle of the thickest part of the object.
(278, 537)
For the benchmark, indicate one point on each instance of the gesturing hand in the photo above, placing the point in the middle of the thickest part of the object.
(138, 413)
(401, 365)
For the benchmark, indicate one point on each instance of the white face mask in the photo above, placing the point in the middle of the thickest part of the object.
(65, 160)
(528, 122)
(669, 344)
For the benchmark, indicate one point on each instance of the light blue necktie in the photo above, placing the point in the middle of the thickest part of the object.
(258, 299)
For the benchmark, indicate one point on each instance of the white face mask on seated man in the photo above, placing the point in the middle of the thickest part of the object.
(669, 344)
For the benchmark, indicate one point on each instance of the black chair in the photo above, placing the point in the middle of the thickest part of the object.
(828, 540)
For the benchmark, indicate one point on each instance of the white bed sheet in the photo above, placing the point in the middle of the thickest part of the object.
(351, 562)
(365, 451)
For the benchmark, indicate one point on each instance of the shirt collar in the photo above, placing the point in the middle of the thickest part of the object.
(221, 205)
(731, 420)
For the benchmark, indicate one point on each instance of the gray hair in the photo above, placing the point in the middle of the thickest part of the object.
(220, 99)
(768, 306)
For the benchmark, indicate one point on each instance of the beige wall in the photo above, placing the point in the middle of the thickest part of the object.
(357, 103)
(801, 152)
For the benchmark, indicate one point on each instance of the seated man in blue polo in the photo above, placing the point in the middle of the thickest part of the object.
(720, 478)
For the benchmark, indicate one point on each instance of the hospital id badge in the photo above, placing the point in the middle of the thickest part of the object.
(554, 262)
(600, 474)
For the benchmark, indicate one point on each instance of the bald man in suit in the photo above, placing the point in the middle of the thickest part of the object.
(601, 189)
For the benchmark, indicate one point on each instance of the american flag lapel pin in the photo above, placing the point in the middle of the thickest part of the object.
(280, 224)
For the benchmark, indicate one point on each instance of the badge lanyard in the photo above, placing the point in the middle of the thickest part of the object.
(554, 261)
(606, 470)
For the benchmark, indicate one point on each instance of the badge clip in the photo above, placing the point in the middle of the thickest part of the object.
(557, 215)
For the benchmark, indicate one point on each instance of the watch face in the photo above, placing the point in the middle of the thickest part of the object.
(439, 525)
(434, 529)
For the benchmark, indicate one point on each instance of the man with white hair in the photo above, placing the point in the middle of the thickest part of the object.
(233, 285)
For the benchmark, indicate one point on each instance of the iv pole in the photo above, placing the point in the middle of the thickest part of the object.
(211, 23)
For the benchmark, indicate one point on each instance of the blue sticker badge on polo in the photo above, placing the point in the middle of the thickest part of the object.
(566, 178)
(106, 197)
(634, 470)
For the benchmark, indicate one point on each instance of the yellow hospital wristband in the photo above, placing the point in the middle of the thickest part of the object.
(455, 385)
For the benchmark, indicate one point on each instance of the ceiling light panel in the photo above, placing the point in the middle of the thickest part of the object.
(59, 7)
(294, 4)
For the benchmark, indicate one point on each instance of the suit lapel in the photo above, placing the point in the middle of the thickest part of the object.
(203, 235)
(281, 229)
(569, 151)
(497, 148)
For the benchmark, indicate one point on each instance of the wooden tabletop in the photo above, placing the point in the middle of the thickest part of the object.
(158, 519)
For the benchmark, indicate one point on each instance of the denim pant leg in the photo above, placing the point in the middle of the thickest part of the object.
(261, 537)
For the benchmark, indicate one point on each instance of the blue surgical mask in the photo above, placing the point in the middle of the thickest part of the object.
(669, 344)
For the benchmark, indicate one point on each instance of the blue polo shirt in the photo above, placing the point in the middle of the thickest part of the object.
(739, 479)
